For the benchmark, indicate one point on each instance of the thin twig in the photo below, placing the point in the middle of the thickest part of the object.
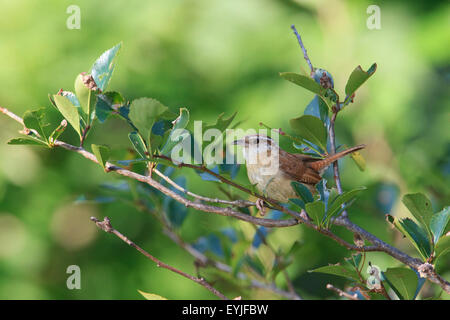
(236, 203)
(342, 293)
(305, 54)
(105, 225)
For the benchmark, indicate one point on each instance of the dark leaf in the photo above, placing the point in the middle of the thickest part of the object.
(414, 233)
(302, 191)
(138, 144)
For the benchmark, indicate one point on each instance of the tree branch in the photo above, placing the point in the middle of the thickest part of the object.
(105, 225)
(305, 54)
(236, 203)
(342, 293)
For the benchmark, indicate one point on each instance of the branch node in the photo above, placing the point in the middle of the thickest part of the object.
(105, 225)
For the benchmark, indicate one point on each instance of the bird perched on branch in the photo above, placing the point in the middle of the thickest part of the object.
(272, 169)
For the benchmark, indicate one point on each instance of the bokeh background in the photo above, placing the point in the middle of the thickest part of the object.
(213, 57)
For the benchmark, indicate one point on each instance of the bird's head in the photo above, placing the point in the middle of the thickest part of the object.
(257, 145)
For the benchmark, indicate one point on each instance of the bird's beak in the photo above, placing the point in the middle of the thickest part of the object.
(239, 142)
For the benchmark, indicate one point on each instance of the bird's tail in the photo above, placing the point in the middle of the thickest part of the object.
(322, 164)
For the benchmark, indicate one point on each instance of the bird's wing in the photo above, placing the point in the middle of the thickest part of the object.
(297, 167)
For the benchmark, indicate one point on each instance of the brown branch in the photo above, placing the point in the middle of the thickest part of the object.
(378, 245)
(105, 225)
(236, 203)
(342, 293)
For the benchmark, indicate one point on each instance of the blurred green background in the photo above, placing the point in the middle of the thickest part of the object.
(213, 57)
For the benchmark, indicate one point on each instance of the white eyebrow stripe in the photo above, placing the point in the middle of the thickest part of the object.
(255, 136)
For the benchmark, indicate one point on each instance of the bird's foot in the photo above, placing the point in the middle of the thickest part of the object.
(260, 205)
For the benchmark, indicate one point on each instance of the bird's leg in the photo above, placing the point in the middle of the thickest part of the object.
(260, 206)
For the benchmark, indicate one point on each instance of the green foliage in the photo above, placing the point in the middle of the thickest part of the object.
(304, 81)
(439, 222)
(420, 207)
(27, 141)
(177, 134)
(335, 205)
(357, 79)
(316, 211)
(138, 144)
(425, 235)
(310, 128)
(302, 191)
(442, 248)
(403, 281)
(101, 153)
(103, 67)
(414, 233)
(69, 112)
(144, 113)
(86, 97)
(359, 160)
(339, 270)
(151, 296)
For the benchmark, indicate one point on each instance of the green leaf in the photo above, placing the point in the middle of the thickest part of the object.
(101, 153)
(318, 108)
(28, 141)
(297, 202)
(144, 112)
(316, 211)
(237, 256)
(442, 248)
(310, 128)
(151, 296)
(104, 66)
(354, 260)
(403, 281)
(359, 160)
(357, 78)
(138, 144)
(86, 97)
(107, 103)
(420, 207)
(302, 191)
(221, 123)
(296, 246)
(414, 233)
(439, 222)
(34, 120)
(339, 270)
(335, 206)
(176, 136)
(303, 81)
(69, 111)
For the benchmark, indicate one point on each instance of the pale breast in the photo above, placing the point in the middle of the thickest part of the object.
(275, 186)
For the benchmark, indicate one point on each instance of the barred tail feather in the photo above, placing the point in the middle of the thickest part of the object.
(322, 164)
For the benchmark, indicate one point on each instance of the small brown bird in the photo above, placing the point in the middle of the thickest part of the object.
(272, 169)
